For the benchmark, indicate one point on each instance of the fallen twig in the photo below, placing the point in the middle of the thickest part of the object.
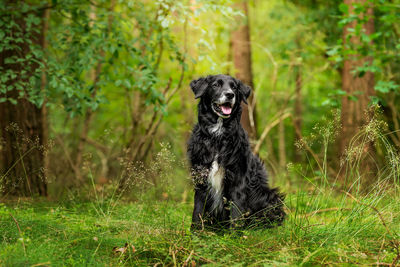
(173, 255)
(47, 263)
(194, 253)
(20, 233)
(324, 210)
(188, 258)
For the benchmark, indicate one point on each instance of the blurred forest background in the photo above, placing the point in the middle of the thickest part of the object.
(94, 94)
(96, 110)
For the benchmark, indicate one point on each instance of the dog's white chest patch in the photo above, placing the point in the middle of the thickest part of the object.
(217, 128)
(215, 179)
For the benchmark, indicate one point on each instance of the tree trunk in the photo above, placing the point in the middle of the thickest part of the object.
(43, 82)
(282, 145)
(298, 120)
(22, 127)
(241, 52)
(353, 111)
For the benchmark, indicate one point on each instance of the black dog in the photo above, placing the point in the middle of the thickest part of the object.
(230, 182)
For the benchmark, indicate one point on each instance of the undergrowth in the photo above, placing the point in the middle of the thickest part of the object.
(323, 227)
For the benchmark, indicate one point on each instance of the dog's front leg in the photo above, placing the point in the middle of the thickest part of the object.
(198, 210)
(237, 207)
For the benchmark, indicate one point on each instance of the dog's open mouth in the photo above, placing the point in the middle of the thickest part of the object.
(223, 110)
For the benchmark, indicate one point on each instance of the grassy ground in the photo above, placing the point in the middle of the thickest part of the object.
(323, 228)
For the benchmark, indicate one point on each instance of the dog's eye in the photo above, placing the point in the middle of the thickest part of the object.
(215, 85)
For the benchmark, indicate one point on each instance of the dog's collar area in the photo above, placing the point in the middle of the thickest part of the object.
(223, 110)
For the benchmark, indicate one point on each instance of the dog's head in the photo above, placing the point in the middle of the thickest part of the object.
(222, 93)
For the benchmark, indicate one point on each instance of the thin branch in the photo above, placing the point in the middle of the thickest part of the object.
(394, 263)
(266, 130)
(324, 210)
(166, 89)
(251, 108)
(160, 53)
(188, 258)
(149, 128)
(194, 253)
(71, 163)
(20, 233)
(97, 145)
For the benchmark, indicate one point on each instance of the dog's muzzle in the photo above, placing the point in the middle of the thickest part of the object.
(223, 109)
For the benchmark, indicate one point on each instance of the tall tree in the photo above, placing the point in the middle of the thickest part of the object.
(22, 123)
(298, 107)
(241, 53)
(358, 86)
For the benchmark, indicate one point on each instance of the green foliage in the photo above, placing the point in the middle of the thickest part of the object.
(96, 48)
(19, 35)
(380, 46)
(386, 87)
(92, 47)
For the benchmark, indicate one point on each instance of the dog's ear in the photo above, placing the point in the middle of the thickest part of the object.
(244, 90)
(199, 86)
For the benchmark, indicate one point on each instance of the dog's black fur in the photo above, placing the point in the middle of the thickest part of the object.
(245, 198)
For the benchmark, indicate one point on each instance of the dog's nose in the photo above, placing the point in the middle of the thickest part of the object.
(229, 95)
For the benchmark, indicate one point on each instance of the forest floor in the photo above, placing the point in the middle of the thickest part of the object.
(323, 227)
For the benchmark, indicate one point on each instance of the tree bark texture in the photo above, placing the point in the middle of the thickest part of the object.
(241, 53)
(22, 130)
(298, 106)
(43, 83)
(282, 145)
(353, 115)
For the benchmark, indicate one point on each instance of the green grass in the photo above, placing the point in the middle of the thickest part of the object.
(323, 227)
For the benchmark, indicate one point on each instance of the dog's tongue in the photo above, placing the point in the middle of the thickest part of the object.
(226, 109)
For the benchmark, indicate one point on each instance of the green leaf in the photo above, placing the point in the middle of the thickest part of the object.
(352, 98)
(339, 92)
(12, 100)
(386, 87)
(344, 8)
